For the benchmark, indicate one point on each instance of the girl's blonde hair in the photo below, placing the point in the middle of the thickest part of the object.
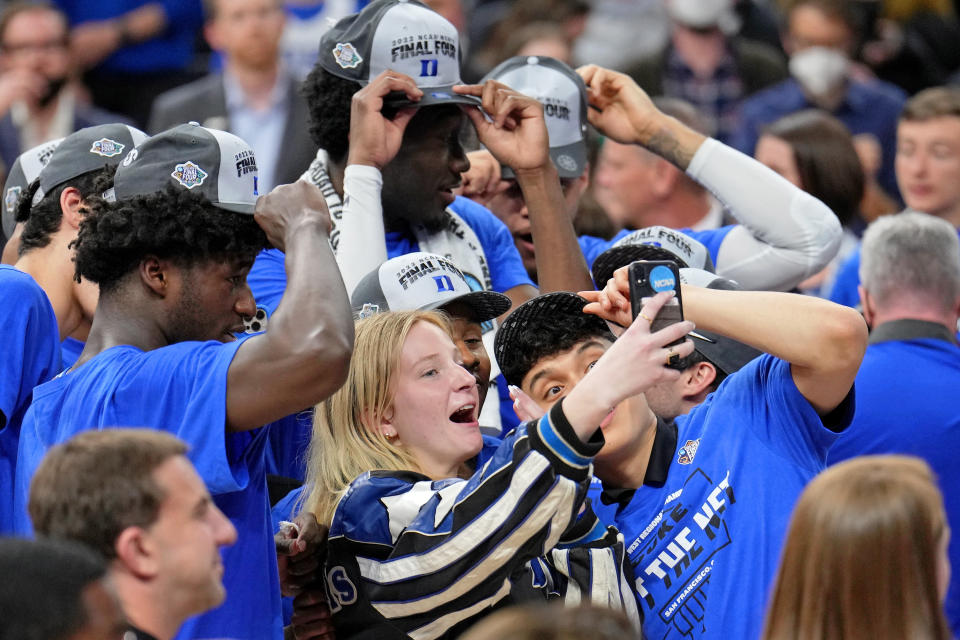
(860, 560)
(346, 439)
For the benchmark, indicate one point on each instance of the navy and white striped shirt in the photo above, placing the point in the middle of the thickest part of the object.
(412, 557)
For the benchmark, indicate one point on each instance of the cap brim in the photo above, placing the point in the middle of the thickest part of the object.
(615, 257)
(236, 207)
(570, 161)
(483, 305)
(726, 354)
(432, 96)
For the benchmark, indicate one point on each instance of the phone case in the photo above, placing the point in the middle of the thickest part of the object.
(650, 277)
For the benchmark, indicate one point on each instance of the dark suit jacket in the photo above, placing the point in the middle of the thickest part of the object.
(83, 116)
(204, 101)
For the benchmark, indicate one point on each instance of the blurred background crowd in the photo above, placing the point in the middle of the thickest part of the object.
(741, 65)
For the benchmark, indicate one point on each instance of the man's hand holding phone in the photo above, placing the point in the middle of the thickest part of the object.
(629, 295)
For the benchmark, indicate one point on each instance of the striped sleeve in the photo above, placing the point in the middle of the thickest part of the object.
(590, 566)
(418, 558)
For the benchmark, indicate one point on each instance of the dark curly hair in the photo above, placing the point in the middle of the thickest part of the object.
(43, 219)
(538, 329)
(172, 224)
(328, 98)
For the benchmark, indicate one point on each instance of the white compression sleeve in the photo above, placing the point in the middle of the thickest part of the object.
(785, 235)
(363, 246)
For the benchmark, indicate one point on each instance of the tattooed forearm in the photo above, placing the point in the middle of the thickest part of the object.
(666, 145)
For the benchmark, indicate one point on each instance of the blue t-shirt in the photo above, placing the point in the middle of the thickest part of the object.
(907, 402)
(705, 545)
(70, 350)
(268, 278)
(710, 238)
(287, 444)
(181, 389)
(845, 285)
(29, 355)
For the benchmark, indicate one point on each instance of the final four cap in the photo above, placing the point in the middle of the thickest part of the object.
(25, 169)
(424, 281)
(402, 35)
(651, 243)
(215, 163)
(87, 150)
(564, 98)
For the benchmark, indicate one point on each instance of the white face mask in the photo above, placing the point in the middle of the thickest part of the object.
(819, 69)
(698, 14)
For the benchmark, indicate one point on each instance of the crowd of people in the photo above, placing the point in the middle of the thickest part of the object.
(318, 320)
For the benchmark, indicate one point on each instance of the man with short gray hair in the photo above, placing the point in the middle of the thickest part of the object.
(907, 399)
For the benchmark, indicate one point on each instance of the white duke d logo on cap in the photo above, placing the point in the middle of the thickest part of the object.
(189, 175)
(346, 56)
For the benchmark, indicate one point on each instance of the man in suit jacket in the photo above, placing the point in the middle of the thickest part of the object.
(254, 97)
(37, 100)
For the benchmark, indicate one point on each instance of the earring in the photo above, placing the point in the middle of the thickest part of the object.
(390, 435)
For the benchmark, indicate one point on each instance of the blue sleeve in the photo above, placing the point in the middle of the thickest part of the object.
(508, 417)
(592, 246)
(506, 267)
(268, 279)
(844, 289)
(183, 388)
(287, 444)
(30, 342)
(711, 238)
(766, 400)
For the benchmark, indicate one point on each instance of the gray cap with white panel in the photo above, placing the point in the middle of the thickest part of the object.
(401, 35)
(25, 169)
(564, 97)
(217, 164)
(89, 149)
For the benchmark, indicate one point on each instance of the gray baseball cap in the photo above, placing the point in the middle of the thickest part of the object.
(86, 150)
(651, 243)
(423, 281)
(564, 97)
(25, 169)
(215, 163)
(403, 35)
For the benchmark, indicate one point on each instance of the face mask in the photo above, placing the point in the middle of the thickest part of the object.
(819, 69)
(698, 14)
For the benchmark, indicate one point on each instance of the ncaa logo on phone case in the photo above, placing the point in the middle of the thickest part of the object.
(661, 279)
(688, 451)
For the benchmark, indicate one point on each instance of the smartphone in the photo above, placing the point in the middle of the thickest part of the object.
(647, 279)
